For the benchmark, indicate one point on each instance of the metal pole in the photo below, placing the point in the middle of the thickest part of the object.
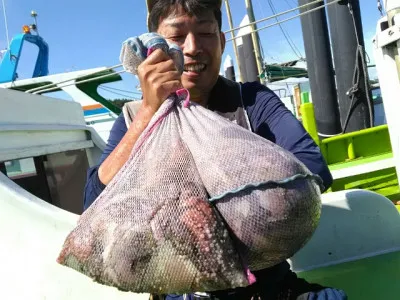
(250, 59)
(320, 69)
(229, 15)
(247, 54)
(346, 33)
(257, 48)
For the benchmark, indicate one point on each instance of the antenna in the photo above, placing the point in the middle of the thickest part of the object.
(34, 25)
(5, 22)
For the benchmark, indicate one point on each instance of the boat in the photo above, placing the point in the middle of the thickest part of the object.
(79, 86)
(47, 145)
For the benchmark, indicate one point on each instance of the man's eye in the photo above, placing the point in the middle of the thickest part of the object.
(207, 34)
(176, 37)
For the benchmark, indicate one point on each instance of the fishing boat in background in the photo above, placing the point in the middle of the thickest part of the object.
(79, 86)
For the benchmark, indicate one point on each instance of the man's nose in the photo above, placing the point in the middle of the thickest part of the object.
(192, 45)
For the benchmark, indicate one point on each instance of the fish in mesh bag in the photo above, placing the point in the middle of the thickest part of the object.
(200, 202)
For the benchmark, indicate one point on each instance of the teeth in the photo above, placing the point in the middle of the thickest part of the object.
(195, 67)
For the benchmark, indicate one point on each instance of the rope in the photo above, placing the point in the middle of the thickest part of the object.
(259, 185)
(360, 52)
(288, 19)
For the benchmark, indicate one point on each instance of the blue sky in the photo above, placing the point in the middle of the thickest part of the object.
(86, 34)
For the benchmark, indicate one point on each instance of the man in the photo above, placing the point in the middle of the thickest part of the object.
(195, 26)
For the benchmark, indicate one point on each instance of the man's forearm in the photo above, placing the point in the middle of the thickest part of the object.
(118, 157)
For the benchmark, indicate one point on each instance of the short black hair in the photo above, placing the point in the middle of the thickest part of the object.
(162, 8)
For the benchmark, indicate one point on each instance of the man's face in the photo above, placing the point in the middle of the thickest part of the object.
(202, 44)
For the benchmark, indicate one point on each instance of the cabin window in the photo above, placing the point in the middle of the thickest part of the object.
(57, 178)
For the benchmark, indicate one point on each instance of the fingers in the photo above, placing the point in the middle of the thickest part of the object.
(163, 61)
(158, 65)
(156, 57)
(167, 66)
(158, 78)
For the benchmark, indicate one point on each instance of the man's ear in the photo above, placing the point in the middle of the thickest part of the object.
(223, 41)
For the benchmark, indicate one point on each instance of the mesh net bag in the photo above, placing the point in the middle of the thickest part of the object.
(199, 203)
(199, 200)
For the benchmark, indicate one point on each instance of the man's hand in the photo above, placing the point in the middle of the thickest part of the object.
(158, 79)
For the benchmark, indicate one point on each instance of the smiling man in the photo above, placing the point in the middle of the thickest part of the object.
(195, 25)
(199, 35)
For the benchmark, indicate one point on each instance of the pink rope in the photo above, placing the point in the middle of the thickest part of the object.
(180, 92)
